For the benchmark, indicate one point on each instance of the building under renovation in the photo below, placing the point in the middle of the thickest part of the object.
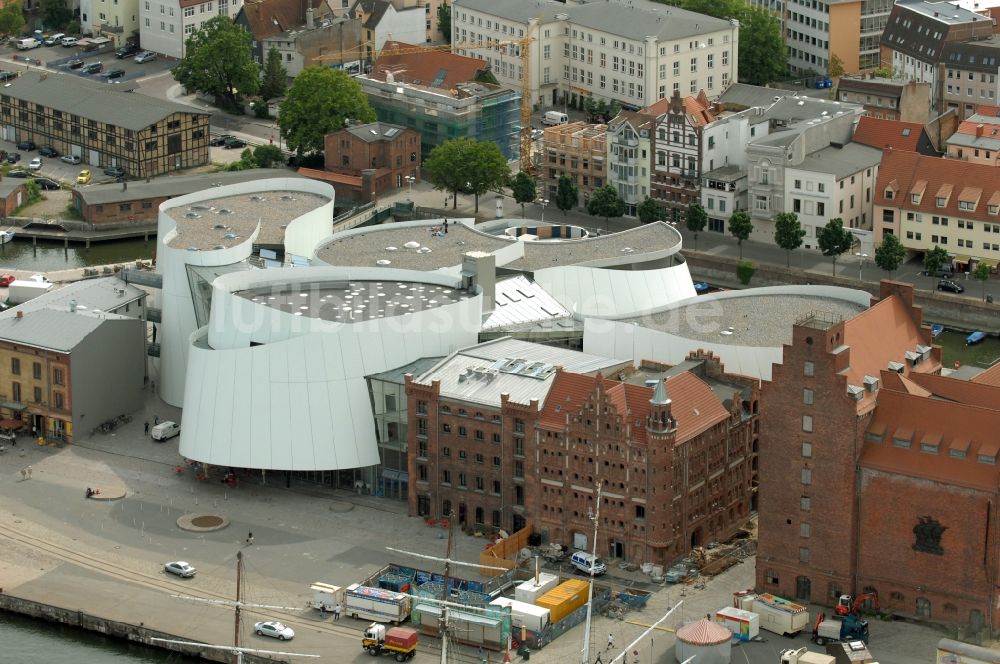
(443, 96)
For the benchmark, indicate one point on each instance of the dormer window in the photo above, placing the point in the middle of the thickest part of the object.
(993, 209)
(940, 201)
(913, 358)
(967, 205)
(987, 454)
(915, 199)
(925, 352)
(902, 438)
(896, 367)
(855, 392)
(888, 194)
(871, 383)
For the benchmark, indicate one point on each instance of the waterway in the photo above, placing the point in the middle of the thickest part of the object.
(25, 640)
(52, 256)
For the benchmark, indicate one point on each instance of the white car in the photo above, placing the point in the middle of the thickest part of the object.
(35, 164)
(69, 42)
(181, 569)
(70, 159)
(274, 629)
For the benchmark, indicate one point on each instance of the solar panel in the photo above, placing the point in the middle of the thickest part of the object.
(439, 79)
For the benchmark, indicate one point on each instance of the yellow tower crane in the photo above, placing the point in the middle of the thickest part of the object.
(523, 44)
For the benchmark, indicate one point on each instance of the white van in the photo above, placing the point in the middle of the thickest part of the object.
(588, 563)
(27, 43)
(165, 430)
(555, 118)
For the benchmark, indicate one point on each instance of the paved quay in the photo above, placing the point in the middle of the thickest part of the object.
(106, 558)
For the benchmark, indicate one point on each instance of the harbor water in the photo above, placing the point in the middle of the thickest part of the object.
(29, 641)
(51, 256)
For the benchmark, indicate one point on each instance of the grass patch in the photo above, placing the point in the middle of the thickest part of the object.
(70, 212)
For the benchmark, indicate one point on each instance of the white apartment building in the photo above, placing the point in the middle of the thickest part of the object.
(632, 51)
(629, 157)
(724, 163)
(165, 25)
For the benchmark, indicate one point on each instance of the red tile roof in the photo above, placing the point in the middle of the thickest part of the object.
(272, 17)
(327, 176)
(989, 377)
(949, 424)
(694, 405)
(428, 67)
(903, 170)
(881, 334)
(698, 109)
(881, 133)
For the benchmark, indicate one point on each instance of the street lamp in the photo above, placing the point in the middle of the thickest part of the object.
(409, 182)
(543, 202)
(861, 263)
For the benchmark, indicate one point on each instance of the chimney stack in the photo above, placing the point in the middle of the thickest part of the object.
(310, 19)
(979, 130)
(20, 315)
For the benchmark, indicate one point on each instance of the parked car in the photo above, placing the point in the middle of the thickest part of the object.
(35, 164)
(181, 569)
(274, 629)
(114, 73)
(145, 56)
(54, 39)
(70, 159)
(114, 171)
(92, 68)
(48, 151)
(26, 145)
(68, 42)
(8, 76)
(126, 50)
(83, 177)
(950, 286)
(75, 63)
(18, 174)
(220, 139)
(7, 280)
(48, 184)
(233, 142)
(13, 157)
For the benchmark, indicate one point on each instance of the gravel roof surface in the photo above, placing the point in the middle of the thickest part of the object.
(760, 320)
(447, 250)
(273, 209)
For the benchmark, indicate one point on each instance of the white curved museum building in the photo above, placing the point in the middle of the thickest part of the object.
(270, 364)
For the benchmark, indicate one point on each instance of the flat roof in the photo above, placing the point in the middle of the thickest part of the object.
(53, 329)
(173, 185)
(520, 369)
(755, 320)
(223, 222)
(841, 161)
(354, 301)
(446, 250)
(99, 294)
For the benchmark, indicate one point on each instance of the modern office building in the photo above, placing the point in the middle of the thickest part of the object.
(632, 51)
(104, 125)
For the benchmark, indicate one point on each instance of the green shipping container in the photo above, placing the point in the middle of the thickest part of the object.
(564, 599)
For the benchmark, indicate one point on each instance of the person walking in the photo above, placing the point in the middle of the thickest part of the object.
(611, 641)
(147, 427)
(322, 611)
(336, 611)
(24, 474)
(249, 538)
(29, 472)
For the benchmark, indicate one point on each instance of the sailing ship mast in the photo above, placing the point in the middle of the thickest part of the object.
(595, 517)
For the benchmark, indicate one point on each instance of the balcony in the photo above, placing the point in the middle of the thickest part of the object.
(625, 142)
(114, 29)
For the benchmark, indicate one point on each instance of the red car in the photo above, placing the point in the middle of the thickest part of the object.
(7, 280)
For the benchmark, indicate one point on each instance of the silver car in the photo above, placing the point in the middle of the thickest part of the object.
(145, 56)
(70, 159)
(35, 164)
(274, 629)
(181, 569)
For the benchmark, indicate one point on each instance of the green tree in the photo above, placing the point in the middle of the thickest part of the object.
(444, 21)
(55, 13)
(788, 234)
(567, 194)
(836, 67)
(745, 271)
(833, 240)
(486, 169)
(763, 54)
(696, 219)
(320, 101)
(649, 211)
(890, 253)
(275, 79)
(12, 19)
(219, 62)
(267, 156)
(982, 275)
(445, 166)
(606, 203)
(935, 259)
(740, 227)
(523, 187)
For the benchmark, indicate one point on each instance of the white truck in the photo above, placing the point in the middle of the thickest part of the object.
(325, 596)
(366, 603)
(803, 656)
(522, 614)
(777, 614)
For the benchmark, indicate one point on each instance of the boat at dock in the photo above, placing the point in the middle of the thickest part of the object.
(936, 329)
(6, 236)
(975, 338)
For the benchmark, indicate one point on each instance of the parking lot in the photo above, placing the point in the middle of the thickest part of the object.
(55, 58)
(53, 167)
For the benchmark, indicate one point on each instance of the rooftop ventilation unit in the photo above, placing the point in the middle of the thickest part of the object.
(230, 236)
(287, 197)
(201, 208)
(220, 227)
(192, 215)
(223, 211)
(259, 199)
